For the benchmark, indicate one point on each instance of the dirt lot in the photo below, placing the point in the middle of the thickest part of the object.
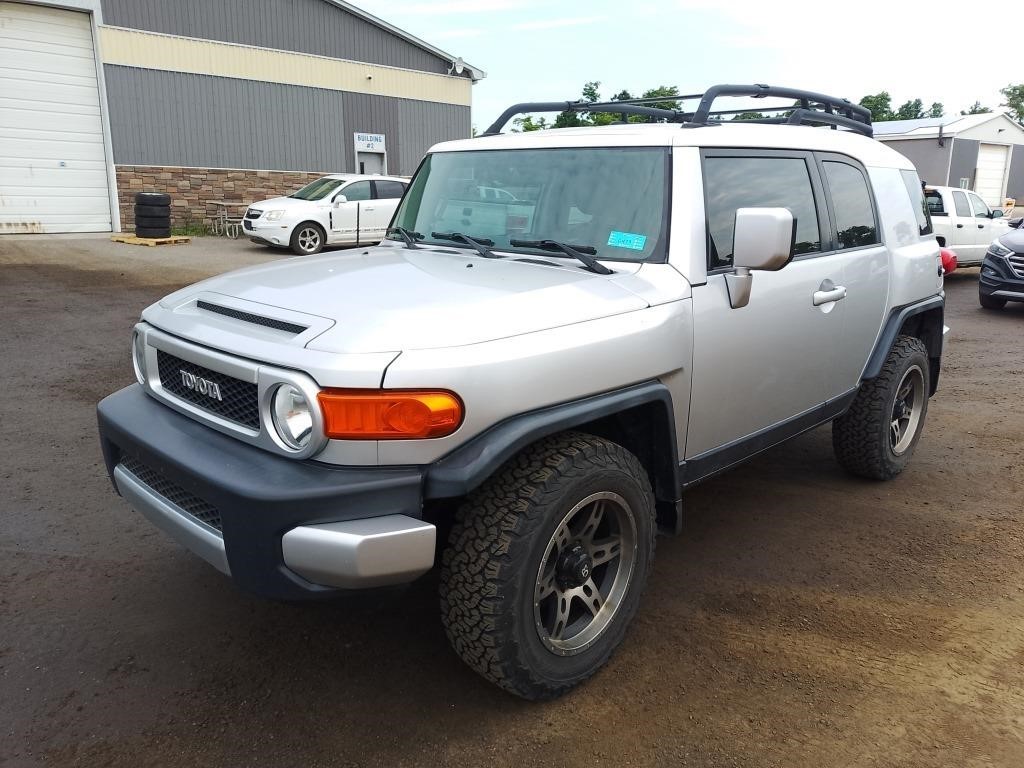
(804, 618)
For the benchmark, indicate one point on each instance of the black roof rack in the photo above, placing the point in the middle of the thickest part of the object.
(808, 108)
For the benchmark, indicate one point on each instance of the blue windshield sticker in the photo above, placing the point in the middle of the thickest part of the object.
(627, 240)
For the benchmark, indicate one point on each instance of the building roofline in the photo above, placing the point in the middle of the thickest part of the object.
(475, 73)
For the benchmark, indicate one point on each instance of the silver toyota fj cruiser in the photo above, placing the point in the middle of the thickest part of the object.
(518, 387)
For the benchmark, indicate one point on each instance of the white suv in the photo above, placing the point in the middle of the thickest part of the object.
(520, 387)
(339, 209)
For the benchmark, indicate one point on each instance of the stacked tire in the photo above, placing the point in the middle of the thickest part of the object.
(152, 214)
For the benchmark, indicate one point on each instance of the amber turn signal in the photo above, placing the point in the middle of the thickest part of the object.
(363, 414)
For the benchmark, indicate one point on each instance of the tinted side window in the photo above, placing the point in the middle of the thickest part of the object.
(757, 182)
(389, 189)
(357, 190)
(851, 201)
(963, 208)
(935, 205)
(917, 200)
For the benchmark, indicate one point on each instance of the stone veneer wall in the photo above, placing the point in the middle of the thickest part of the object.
(193, 189)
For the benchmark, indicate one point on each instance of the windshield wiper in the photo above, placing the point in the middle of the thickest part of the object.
(408, 235)
(584, 253)
(480, 244)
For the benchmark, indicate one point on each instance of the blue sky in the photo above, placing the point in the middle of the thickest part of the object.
(538, 51)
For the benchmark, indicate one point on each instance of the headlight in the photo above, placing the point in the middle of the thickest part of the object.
(275, 215)
(139, 357)
(292, 417)
(998, 249)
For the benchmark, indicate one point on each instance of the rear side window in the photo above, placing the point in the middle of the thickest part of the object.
(917, 201)
(389, 190)
(757, 182)
(933, 198)
(963, 208)
(851, 202)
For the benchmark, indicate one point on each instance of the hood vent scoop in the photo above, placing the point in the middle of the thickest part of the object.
(248, 317)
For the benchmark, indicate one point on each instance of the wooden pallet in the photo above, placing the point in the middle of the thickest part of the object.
(150, 241)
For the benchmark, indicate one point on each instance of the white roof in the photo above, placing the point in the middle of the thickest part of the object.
(725, 134)
(929, 126)
(475, 73)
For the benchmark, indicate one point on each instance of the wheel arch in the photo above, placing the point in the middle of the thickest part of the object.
(922, 320)
(640, 418)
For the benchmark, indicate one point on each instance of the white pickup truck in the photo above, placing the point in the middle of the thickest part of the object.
(962, 221)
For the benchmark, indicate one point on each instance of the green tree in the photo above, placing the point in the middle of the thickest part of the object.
(528, 123)
(936, 109)
(749, 116)
(1014, 95)
(880, 106)
(909, 110)
(976, 109)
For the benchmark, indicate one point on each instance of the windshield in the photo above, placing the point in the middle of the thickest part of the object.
(613, 199)
(318, 190)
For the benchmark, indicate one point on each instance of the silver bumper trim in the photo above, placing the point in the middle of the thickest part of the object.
(173, 520)
(372, 552)
(1008, 294)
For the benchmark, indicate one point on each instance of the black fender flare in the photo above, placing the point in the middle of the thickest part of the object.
(465, 468)
(897, 320)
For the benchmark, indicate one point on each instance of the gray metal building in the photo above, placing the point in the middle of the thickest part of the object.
(984, 152)
(233, 100)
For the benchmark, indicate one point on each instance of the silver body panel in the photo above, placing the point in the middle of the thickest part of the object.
(375, 552)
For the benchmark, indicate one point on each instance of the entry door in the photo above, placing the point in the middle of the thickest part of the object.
(760, 365)
(370, 163)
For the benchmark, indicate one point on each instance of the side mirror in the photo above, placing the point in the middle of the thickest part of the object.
(997, 213)
(1015, 223)
(764, 239)
(339, 199)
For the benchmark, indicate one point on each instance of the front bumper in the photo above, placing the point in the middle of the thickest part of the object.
(280, 528)
(998, 280)
(274, 233)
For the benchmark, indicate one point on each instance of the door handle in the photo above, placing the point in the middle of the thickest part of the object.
(827, 293)
(369, 209)
(981, 226)
(959, 226)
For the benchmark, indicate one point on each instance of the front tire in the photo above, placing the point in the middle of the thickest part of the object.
(308, 238)
(876, 437)
(546, 564)
(990, 302)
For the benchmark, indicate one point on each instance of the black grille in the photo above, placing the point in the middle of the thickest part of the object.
(248, 317)
(253, 213)
(238, 399)
(172, 492)
(1017, 264)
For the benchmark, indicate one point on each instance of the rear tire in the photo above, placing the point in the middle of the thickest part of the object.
(152, 198)
(153, 222)
(991, 302)
(153, 210)
(308, 238)
(546, 563)
(876, 437)
(152, 233)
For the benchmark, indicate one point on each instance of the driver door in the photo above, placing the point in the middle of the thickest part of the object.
(345, 211)
(761, 366)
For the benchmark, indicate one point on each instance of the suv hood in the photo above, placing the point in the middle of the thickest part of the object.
(284, 203)
(394, 298)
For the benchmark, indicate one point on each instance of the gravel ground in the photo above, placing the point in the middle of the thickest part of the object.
(804, 618)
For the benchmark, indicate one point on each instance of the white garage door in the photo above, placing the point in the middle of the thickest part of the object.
(53, 174)
(988, 180)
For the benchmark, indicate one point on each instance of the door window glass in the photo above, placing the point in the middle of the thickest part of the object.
(980, 208)
(357, 190)
(934, 200)
(389, 190)
(757, 182)
(851, 201)
(963, 208)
